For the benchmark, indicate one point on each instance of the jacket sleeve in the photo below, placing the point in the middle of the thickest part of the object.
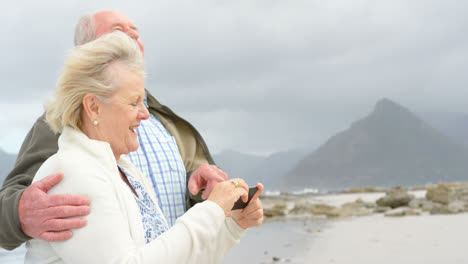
(40, 144)
(202, 235)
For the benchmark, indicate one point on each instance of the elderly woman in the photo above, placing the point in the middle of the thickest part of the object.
(98, 106)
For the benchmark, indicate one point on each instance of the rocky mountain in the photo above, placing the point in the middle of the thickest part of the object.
(6, 164)
(454, 125)
(389, 147)
(270, 170)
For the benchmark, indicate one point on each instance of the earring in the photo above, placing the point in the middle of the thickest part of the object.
(95, 122)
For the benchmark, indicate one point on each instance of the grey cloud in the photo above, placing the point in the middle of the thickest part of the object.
(262, 76)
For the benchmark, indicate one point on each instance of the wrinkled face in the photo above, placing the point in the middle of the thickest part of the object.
(108, 21)
(122, 113)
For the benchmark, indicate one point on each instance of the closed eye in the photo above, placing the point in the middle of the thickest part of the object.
(117, 27)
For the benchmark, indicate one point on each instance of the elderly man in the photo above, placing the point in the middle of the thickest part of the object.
(171, 152)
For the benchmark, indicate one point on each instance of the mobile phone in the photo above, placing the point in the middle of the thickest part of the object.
(240, 204)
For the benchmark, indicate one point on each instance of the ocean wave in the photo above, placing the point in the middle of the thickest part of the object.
(305, 191)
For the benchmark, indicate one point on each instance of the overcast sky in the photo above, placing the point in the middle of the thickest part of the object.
(255, 76)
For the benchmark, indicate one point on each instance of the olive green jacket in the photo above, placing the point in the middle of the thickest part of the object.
(41, 143)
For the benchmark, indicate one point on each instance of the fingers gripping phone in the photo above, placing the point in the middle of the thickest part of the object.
(240, 204)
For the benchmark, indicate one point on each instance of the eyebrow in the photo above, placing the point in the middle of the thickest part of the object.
(137, 97)
(121, 25)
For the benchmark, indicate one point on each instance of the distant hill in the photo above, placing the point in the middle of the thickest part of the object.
(270, 170)
(6, 164)
(454, 125)
(238, 165)
(273, 169)
(389, 147)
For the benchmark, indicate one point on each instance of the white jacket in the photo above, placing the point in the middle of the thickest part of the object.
(114, 233)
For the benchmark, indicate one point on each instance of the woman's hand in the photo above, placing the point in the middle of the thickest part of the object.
(252, 215)
(226, 193)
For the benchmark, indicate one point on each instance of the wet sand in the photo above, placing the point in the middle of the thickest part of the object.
(428, 239)
(277, 242)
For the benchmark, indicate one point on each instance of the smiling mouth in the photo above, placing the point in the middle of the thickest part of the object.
(133, 130)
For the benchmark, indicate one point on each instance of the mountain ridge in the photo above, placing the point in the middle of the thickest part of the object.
(390, 146)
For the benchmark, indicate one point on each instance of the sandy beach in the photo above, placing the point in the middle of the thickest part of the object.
(362, 240)
(378, 239)
(276, 242)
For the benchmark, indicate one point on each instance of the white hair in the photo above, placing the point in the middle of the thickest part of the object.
(85, 30)
(91, 68)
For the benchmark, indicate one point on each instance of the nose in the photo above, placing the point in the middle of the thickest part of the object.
(143, 113)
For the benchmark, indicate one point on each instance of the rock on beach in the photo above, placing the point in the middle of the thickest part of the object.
(444, 198)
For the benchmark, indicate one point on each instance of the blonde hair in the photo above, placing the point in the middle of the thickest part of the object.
(91, 69)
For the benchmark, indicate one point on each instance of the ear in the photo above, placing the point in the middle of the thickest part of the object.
(92, 106)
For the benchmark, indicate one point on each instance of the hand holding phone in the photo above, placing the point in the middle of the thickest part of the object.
(240, 204)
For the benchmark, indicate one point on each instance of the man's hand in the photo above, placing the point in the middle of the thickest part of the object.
(41, 215)
(206, 178)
